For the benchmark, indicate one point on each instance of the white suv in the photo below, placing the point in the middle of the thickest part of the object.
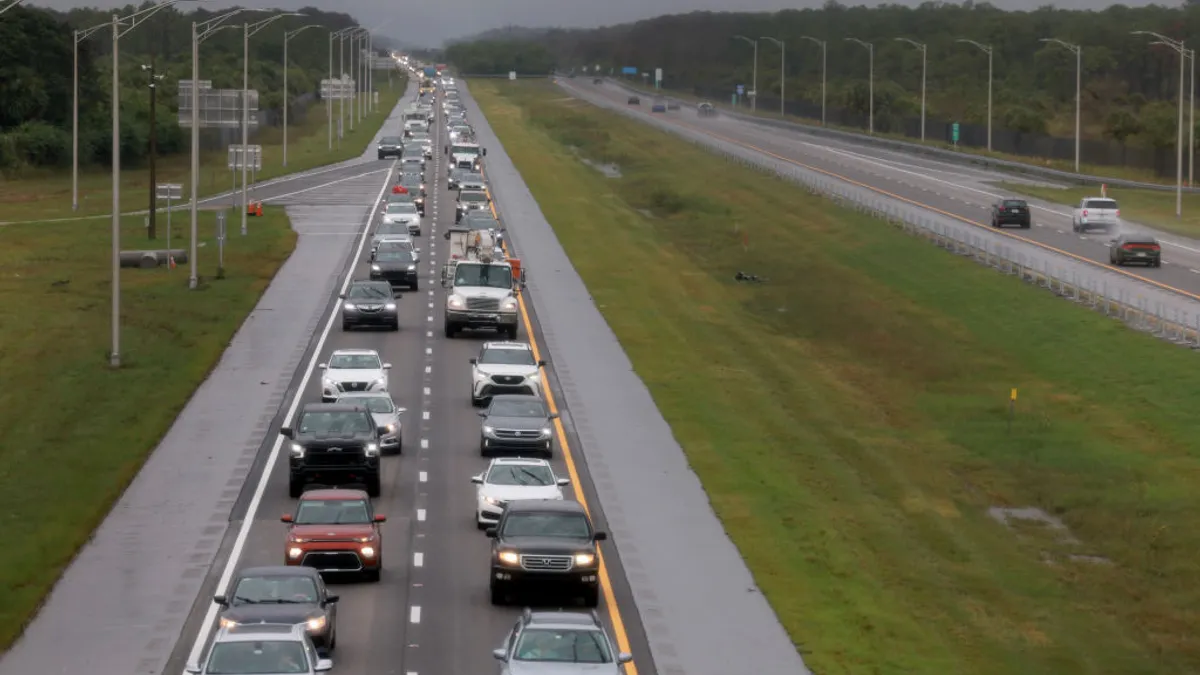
(352, 370)
(508, 479)
(505, 368)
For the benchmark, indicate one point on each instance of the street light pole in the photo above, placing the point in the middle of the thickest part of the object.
(201, 31)
(754, 77)
(870, 84)
(287, 97)
(151, 226)
(80, 36)
(824, 62)
(1077, 50)
(1192, 120)
(782, 72)
(1178, 46)
(342, 35)
(924, 61)
(986, 49)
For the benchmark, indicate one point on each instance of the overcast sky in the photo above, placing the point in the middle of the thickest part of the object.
(429, 23)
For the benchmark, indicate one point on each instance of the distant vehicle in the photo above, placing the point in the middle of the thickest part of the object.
(1011, 212)
(396, 264)
(390, 146)
(282, 594)
(336, 531)
(470, 200)
(369, 303)
(349, 370)
(508, 479)
(672, 105)
(597, 80)
(1096, 213)
(383, 409)
(658, 107)
(518, 424)
(706, 109)
(1135, 248)
(333, 444)
(580, 646)
(505, 368)
(634, 100)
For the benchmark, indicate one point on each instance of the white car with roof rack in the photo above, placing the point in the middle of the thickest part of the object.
(508, 479)
(262, 649)
(505, 368)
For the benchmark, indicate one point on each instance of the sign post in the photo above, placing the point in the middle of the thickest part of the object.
(169, 192)
(220, 244)
(954, 133)
(658, 78)
(741, 91)
(512, 74)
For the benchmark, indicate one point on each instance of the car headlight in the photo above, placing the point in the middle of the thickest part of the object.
(295, 552)
(491, 500)
(227, 623)
(371, 450)
(487, 429)
(456, 302)
(584, 559)
(509, 557)
(546, 431)
(391, 428)
(316, 624)
(368, 551)
(348, 305)
(390, 305)
(410, 269)
(509, 305)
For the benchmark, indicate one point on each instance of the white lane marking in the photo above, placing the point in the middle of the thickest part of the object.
(418, 559)
(428, 369)
(239, 543)
(421, 515)
(423, 477)
(429, 333)
(424, 443)
(426, 391)
(323, 185)
(414, 614)
(431, 305)
(425, 415)
(429, 318)
(428, 351)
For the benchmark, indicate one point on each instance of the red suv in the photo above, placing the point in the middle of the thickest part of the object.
(335, 531)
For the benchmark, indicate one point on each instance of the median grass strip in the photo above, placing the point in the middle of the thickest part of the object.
(47, 195)
(848, 415)
(1148, 207)
(75, 431)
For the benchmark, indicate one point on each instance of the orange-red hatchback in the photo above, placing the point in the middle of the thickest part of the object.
(337, 532)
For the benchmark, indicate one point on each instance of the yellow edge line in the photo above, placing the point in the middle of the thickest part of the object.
(610, 599)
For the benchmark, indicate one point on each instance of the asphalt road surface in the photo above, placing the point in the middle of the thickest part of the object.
(430, 613)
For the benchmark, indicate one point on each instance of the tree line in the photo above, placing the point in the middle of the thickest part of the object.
(1129, 87)
(36, 66)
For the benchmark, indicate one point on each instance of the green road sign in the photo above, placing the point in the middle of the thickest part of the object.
(954, 133)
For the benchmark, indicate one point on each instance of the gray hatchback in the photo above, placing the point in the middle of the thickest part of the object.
(559, 643)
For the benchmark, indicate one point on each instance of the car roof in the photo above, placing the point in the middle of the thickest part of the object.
(356, 351)
(560, 618)
(516, 397)
(333, 407)
(523, 346)
(334, 494)
(364, 394)
(260, 631)
(279, 571)
(558, 505)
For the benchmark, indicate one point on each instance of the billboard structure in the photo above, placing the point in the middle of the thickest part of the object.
(338, 89)
(219, 108)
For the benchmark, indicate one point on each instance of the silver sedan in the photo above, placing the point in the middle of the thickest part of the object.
(386, 414)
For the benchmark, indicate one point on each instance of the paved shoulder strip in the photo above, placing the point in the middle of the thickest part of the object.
(704, 616)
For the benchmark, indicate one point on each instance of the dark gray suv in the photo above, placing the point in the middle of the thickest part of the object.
(370, 303)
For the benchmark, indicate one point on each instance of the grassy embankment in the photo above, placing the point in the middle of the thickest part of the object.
(1156, 209)
(75, 431)
(849, 416)
(46, 195)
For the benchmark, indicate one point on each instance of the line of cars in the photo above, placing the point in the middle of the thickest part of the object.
(1090, 215)
(283, 619)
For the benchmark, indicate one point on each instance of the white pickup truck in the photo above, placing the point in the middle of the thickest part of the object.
(1096, 213)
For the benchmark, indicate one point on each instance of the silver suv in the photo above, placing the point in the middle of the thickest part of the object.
(559, 643)
(264, 649)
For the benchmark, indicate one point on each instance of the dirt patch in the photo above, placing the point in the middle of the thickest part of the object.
(1019, 519)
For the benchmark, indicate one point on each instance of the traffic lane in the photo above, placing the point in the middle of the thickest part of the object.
(960, 201)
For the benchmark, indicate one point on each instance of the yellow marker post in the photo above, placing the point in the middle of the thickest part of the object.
(1012, 408)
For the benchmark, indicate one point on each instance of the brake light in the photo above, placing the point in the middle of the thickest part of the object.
(1154, 247)
(1117, 213)
(1128, 247)
(1085, 213)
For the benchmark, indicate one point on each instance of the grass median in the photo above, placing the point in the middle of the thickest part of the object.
(75, 431)
(1148, 207)
(849, 414)
(45, 195)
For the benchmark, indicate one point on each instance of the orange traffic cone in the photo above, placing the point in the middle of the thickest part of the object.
(258, 211)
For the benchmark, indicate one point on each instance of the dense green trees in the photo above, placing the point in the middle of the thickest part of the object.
(36, 48)
(499, 57)
(1129, 86)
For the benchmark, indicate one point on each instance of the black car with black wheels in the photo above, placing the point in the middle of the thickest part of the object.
(333, 445)
(390, 146)
(395, 265)
(1135, 249)
(287, 594)
(369, 303)
(545, 545)
(1011, 212)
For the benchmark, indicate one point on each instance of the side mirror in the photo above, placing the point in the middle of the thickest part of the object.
(323, 366)
(478, 480)
(492, 533)
(193, 668)
(221, 600)
(624, 657)
(342, 296)
(287, 518)
(600, 536)
(553, 416)
(380, 518)
(330, 599)
(323, 665)
(498, 654)
(381, 430)
(474, 361)
(541, 364)
(563, 482)
(387, 366)
(446, 236)
(287, 432)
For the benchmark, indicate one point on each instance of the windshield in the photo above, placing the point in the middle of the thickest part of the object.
(518, 408)
(390, 140)
(274, 590)
(472, 197)
(392, 228)
(563, 646)
(355, 361)
(1100, 204)
(508, 357)
(420, 135)
(491, 276)
(566, 525)
(393, 255)
(334, 423)
(332, 512)
(402, 207)
(377, 404)
(464, 150)
(370, 291)
(267, 657)
(414, 115)
(515, 474)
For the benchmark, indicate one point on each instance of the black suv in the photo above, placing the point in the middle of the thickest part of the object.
(545, 544)
(333, 444)
(1011, 212)
(390, 146)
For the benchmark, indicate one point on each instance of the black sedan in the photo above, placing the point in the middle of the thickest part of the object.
(1011, 212)
(390, 146)
(395, 265)
(634, 100)
(1141, 249)
(369, 303)
(282, 595)
(517, 424)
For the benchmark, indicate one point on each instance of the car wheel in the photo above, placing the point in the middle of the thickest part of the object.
(1026, 226)
(499, 598)
(591, 598)
(372, 575)
(396, 325)
(484, 451)
(346, 325)
(373, 487)
(511, 332)
(295, 487)
(450, 329)
(333, 637)
(416, 286)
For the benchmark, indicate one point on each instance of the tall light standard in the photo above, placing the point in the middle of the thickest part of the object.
(80, 36)
(1192, 119)
(824, 52)
(986, 49)
(121, 27)
(248, 30)
(361, 82)
(1077, 50)
(201, 31)
(870, 83)
(1177, 45)
(10, 5)
(287, 97)
(924, 49)
(754, 80)
(341, 36)
(782, 71)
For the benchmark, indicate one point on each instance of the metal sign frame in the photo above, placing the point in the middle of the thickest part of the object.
(337, 89)
(234, 161)
(218, 107)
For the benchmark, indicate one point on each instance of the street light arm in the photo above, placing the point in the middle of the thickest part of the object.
(253, 28)
(870, 47)
(912, 42)
(1161, 39)
(773, 40)
(1074, 48)
(986, 49)
(293, 33)
(743, 37)
(819, 43)
(206, 29)
(139, 16)
(81, 35)
(9, 6)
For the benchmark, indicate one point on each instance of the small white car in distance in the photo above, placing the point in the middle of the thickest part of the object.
(353, 370)
(505, 368)
(509, 479)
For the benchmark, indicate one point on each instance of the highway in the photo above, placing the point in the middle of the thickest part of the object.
(430, 613)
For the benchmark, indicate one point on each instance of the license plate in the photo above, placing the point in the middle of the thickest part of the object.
(1014, 210)
(487, 317)
(1141, 254)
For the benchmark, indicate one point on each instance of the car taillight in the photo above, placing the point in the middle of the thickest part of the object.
(1128, 247)
(1085, 213)
(1154, 247)
(1117, 213)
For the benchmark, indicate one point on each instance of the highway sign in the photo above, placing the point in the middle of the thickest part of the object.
(512, 74)
(657, 78)
(629, 70)
(954, 133)
(168, 191)
(337, 89)
(741, 90)
(218, 107)
(236, 153)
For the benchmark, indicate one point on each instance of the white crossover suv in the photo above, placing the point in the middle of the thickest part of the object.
(352, 370)
(505, 368)
(508, 479)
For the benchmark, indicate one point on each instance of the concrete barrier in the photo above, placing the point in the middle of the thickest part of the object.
(152, 258)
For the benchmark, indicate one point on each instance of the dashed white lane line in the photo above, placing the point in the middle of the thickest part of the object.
(418, 559)
(426, 391)
(425, 415)
(428, 369)
(429, 333)
(423, 477)
(424, 443)
(431, 305)
(421, 515)
(429, 318)
(428, 351)
(414, 614)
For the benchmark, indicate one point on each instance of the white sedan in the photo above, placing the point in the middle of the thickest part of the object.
(509, 479)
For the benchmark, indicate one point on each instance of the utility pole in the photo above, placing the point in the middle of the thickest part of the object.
(151, 229)
(1078, 52)
(986, 49)
(870, 47)
(1179, 47)
(754, 78)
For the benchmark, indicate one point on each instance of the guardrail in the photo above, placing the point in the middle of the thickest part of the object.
(1158, 311)
(939, 153)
